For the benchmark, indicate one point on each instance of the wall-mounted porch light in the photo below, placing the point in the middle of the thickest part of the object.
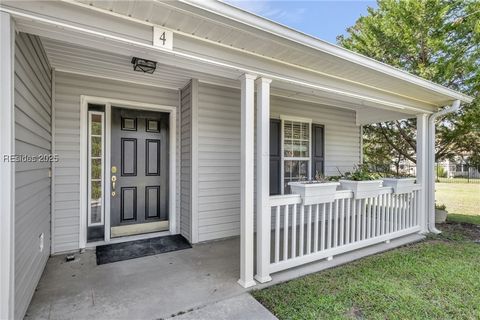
(144, 65)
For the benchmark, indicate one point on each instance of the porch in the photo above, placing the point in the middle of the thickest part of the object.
(177, 282)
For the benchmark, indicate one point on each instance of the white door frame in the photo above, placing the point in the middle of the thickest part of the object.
(108, 102)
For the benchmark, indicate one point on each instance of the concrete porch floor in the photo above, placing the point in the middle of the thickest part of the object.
(151, 287)
(159, 286)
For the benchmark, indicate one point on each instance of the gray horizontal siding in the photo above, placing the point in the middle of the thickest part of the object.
(186, 162)
(342, 135)
(68, 89)
(219, 152)
(33, 106)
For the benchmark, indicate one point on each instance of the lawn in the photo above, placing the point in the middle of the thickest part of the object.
(459, 197)
(436, 279)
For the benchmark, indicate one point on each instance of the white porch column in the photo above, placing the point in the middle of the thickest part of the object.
(422, 167)
(263, 180)
(246, 181)
(7, 168)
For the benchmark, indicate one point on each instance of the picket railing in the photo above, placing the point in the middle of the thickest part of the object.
(305, 233)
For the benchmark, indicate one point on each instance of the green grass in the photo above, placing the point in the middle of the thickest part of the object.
(460, 198)
(436, 279)
(463, 218)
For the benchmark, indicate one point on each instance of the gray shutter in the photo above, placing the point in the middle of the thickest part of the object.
(318, 149)
(275, 156)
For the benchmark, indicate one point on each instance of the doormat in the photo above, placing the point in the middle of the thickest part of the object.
(140, 248)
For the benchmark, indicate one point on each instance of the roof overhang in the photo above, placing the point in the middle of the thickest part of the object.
(126, 31)
(306, 41)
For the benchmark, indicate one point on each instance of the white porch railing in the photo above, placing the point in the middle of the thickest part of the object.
(305, 233)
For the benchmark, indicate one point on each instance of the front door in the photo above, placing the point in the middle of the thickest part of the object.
(139, 172)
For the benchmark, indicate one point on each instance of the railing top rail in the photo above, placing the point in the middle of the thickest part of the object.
(287, 199)
(343, 194)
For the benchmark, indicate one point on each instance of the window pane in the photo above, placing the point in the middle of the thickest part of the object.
(287, 129)
(303, 169)
(96, 202)
(97, 169)
(303, 149)
(288, 148)
(96, 123)
(96, 146)
(96, 191)
(305, 135)
(291, 168)
(296, 130)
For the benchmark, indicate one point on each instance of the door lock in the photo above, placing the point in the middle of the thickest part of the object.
(114, 179)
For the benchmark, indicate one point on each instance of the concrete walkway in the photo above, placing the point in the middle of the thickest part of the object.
(242, 307)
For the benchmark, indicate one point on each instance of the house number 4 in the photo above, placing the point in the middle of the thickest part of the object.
(162, 38)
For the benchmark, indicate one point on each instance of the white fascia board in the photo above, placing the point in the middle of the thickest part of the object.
(365, 117)
(265, 25)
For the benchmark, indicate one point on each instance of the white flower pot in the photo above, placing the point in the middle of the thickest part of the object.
(399, 185)
(440, 216)
(315, 192)
(362, 189)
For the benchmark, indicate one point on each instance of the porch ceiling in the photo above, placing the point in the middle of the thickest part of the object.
(93, 62)
(78, 59)
(85, 60)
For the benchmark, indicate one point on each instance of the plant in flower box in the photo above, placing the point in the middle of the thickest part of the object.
(362, 182)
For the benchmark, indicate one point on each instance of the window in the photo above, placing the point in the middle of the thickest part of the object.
(96, 137)
(296, 151)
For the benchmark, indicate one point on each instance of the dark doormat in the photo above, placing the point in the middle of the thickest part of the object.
(140, 248)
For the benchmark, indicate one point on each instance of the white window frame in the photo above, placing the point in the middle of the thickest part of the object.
(102, 174)
(284, 118)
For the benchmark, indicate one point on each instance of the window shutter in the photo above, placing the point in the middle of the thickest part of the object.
(275, 156)
(318, 149)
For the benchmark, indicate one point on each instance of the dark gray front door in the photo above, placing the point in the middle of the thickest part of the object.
(139, 160)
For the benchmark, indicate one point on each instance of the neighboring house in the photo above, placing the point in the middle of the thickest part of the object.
(405, 167)
(459, 168)
(174, 152)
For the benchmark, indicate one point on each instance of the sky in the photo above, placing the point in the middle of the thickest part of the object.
(324, 19)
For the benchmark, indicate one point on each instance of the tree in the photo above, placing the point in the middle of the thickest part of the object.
(438, 40)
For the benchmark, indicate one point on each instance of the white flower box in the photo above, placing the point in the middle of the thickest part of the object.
(315, 192)
(399, 185)
(362, 189)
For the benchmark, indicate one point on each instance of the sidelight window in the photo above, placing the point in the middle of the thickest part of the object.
(96, 138)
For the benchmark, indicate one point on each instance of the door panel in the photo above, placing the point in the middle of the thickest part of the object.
(129, 157)
(152, 164)
(128, 207)
(140, 190)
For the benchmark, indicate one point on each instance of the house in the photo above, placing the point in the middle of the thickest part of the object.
(95, 150)
(458, 167)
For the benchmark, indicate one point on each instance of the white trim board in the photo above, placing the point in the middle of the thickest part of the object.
(84, 101)
(7, 169)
